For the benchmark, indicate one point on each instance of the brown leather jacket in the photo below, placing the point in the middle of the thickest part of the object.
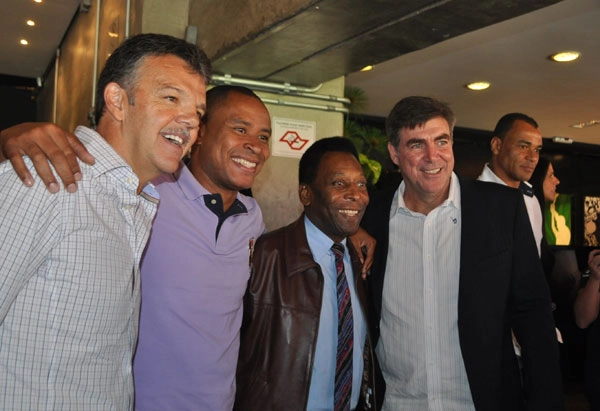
(281, 320)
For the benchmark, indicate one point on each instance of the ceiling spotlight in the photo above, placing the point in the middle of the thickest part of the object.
(478, 85)
(367, 68)
(565, 56)
(23, 42)
(30, 23)
(38, 1)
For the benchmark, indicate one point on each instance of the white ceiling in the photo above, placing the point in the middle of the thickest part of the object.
(512, 56)
(52, 18)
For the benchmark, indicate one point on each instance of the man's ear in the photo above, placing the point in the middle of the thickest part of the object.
(305, 194)
(393, 153)
(495, 145)
(115, 99)
(201, 133)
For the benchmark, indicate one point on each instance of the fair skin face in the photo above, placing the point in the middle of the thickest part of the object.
(233, 147)
(336, 200)
(550, 183)
(515, 157)
(160, 122)
(426, 160)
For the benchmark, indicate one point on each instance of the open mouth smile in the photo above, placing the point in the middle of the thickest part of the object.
(433, 171)
(176, 139)
(244, 163)
(351, 213)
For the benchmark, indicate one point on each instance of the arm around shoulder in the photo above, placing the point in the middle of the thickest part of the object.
(44, 143)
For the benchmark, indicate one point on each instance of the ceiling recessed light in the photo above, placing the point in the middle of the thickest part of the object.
(478, 85)
(30, 23)
(367, 68)
(565, 56)
(38, 1)
(23, 42)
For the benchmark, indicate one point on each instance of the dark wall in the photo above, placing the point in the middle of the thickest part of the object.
(17, 105)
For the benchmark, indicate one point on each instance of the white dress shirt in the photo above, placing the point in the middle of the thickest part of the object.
(419, 348)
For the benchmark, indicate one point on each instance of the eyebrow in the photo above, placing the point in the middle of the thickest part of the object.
(237, 120)
(527, 143)
(422, 140)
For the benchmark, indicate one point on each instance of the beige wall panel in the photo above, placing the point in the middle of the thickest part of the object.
(75, 72)
(222, 24)
(135, 21)
(112, 29)
(276, 187)
(165, 17)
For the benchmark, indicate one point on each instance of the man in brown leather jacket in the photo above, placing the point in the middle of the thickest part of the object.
(290, 329)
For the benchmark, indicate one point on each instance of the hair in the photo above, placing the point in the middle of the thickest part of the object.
(218, 95)
(506, 123)
(309, 163)
(122, 65)
(414, 111)
(537, 180)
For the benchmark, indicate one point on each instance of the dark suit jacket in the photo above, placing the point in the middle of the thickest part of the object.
(501, 287)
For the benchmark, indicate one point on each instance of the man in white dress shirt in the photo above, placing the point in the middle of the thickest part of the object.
(69, 263)
(455, 270)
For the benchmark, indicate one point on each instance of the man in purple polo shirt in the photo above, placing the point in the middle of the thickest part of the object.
(195, 269)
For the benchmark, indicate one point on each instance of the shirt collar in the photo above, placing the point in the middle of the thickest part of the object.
(319, 243)
(488, 175)
(108, 159)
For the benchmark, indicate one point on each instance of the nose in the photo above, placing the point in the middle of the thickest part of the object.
(188, 116)
(257, 146)
(533, 154)
(431, 151)
(354, 192)
(351, 192)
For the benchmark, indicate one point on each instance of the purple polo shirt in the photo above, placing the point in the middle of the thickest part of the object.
(192, 289)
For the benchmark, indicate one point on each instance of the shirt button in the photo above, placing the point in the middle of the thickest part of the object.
(127, 207)
(213, 201)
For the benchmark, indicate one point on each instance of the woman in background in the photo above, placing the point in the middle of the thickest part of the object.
(564, 279)
(560, 266)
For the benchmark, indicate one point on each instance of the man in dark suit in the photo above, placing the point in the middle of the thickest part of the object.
(456, 269)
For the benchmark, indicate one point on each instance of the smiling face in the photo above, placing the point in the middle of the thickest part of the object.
(160, 115)
(337, 198)
(515, 157)
(233, 146)
(425, 158)
(550, 183)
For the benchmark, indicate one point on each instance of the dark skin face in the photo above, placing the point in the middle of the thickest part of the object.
(514, 158)
(336, 200)
(232, 147)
